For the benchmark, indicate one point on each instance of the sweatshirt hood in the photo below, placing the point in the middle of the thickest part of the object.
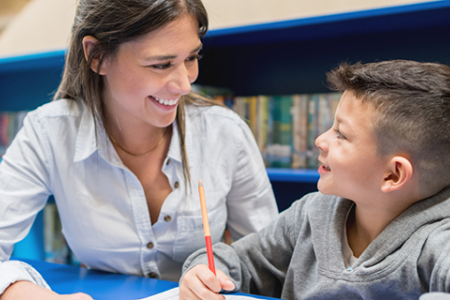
(389, 249)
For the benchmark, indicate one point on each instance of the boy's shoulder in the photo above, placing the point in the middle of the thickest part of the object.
(316, 201)
(318, 210)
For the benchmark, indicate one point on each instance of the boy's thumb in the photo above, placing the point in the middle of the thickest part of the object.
(226, 284)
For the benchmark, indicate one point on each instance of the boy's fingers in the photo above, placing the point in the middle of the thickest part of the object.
(209, 279)
(187, 294)
(202, 291)
(200, 283)
(225, 281)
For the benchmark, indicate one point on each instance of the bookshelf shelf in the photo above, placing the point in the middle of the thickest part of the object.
(432, 14)
(293, 175)
(278, 58)
(36, 61)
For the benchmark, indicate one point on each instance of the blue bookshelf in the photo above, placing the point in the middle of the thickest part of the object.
(287, 57)
(293, 175)
(292, 56)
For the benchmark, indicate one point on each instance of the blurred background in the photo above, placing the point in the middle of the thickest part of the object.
(30, 26)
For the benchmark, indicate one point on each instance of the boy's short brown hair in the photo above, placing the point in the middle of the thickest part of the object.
(412, 112)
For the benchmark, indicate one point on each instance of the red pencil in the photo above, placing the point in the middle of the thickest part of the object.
(209, 250)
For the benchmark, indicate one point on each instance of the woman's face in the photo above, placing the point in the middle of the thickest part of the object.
(145, 79)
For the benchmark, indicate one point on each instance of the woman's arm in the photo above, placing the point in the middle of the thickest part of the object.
(27, 290)
(24, 190)
(251, 203)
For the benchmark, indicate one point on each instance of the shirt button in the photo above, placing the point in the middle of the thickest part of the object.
(150, 245)
(168, 162)
(153, 275)
(176, 184)
(167, 218)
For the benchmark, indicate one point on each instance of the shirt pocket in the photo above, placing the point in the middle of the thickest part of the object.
(190, 235)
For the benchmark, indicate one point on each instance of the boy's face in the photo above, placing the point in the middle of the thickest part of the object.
(350, 166)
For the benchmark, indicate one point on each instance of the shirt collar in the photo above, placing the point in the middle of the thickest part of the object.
(86, 142)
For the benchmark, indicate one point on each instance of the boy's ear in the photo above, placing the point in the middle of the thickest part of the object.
(400, 171)
(89, 43)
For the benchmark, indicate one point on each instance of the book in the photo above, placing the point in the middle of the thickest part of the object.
(173, 294)
(299, 130)
(262, 122)
(55, 246)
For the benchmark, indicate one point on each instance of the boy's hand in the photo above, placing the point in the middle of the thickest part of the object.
(200, 283)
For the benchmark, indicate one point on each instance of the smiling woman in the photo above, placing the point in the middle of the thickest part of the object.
(121, 145)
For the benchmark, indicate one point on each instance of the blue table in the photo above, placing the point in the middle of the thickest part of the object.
(65, 279)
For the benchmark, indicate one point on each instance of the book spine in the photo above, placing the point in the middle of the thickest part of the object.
(252, 115)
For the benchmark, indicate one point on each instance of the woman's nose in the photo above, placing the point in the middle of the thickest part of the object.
(181, 80)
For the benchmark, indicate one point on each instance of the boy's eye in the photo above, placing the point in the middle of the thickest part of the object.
(339, 135)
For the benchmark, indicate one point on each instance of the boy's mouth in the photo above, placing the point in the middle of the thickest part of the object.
(325, 167)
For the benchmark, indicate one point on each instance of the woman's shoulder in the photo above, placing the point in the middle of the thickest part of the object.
(219, 116)
(59, 108)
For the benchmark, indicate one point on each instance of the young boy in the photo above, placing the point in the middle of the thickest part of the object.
(380, 226)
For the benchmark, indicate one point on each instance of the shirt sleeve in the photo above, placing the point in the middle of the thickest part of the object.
(13, 271)
(251, 203)
(23, 193)
(258, 262)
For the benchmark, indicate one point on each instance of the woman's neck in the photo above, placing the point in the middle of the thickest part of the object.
(135, 136)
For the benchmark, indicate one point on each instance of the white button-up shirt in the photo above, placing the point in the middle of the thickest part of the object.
(103, 209)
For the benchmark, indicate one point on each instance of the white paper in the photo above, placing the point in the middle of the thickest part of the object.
(172, 294)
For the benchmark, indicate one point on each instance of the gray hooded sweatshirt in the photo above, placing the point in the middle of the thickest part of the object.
(299, 255)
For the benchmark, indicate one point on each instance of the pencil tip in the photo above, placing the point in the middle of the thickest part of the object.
(200, 182)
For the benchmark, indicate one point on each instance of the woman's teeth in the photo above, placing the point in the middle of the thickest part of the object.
(326, 167)
(166, 102)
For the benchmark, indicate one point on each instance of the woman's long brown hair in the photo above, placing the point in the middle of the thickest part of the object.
(113, 22)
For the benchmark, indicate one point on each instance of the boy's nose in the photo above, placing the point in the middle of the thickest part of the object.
(321, 142)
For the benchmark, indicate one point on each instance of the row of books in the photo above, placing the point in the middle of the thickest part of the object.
(286, 127)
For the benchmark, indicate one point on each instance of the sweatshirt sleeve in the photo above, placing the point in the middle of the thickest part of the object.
(434, 262)
(258, 262)
(23, 193)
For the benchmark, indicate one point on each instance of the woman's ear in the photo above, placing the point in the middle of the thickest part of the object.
(89, 43)
(400, 172)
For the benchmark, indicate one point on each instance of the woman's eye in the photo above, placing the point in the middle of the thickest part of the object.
(195, 57)
(161, 67)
